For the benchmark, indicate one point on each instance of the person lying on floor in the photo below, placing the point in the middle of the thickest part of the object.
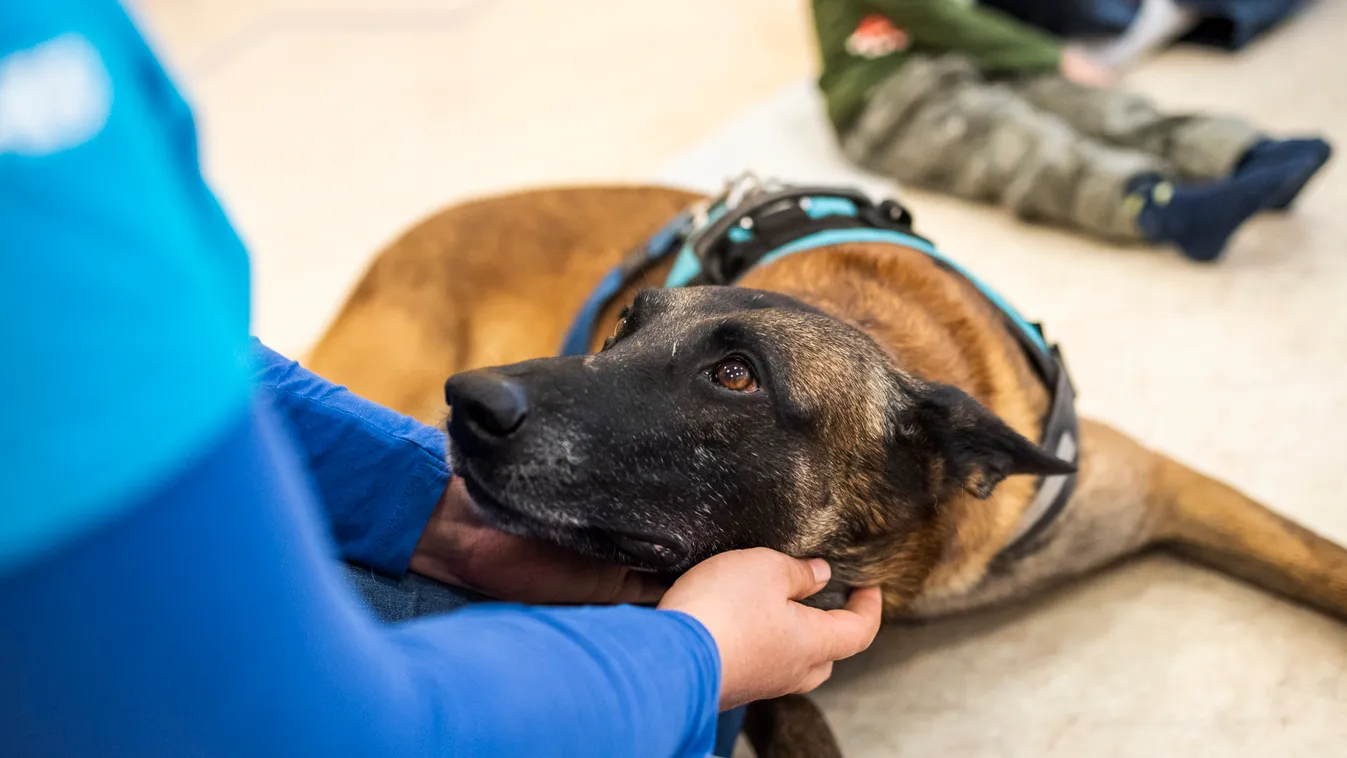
(953, 97)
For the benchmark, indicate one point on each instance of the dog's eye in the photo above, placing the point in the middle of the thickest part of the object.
(735, 374)
(617, 328)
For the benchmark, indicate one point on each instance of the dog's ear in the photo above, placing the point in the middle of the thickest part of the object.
(978, 450)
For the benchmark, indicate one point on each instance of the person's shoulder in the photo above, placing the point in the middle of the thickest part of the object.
(55, 90)
(67, 69)
(125, 285)
(26, 24)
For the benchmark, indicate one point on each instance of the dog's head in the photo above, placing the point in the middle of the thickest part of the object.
(719, 418)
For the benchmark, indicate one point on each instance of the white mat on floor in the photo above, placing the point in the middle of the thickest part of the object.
(786, 136)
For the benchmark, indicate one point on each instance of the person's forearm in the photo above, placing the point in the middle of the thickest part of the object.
(994, 40)
(378, 473)
(209, 622)
(1157, 24)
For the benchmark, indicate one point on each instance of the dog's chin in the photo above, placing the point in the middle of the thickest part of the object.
(636, 550)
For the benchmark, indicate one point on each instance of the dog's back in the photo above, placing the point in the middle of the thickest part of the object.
(483, 283)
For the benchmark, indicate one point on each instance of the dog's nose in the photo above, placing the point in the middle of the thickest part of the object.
(493, 403)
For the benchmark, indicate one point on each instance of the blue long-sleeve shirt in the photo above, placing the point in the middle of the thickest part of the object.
(166, 571)
(377, 473)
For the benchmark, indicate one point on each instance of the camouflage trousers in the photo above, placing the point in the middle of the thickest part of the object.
(1044, 147)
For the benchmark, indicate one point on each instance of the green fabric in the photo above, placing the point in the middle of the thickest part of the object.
(995, 42)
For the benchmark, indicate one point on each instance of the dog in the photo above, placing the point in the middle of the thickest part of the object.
(858, 402)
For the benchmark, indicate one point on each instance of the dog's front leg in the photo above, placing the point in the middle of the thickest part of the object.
(789, 727)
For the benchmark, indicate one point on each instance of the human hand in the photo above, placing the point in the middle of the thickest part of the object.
(459, 548)
(771, 645)
(1080, 68)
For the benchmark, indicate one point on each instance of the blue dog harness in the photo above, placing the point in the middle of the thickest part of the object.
(717, 242)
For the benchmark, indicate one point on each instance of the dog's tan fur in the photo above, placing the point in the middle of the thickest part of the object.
(482, 284)
(498, 281)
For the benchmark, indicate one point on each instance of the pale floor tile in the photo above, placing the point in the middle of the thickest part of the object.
(329, 128)
(186, 31)
(1151, 659)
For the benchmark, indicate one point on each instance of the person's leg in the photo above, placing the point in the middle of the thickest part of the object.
(937, 124)
(1199, 218)
(1200, 147)
(940, 127)
(729, 726)
(395, 600)
(920, 84)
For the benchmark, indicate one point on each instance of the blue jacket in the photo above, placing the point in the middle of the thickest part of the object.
(175, 496)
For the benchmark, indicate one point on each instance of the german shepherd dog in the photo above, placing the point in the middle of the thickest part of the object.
(856, 402)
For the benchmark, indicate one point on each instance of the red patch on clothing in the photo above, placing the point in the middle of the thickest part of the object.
(876, 37)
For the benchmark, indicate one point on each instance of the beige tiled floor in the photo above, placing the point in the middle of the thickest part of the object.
(331, 124)
(328, 126)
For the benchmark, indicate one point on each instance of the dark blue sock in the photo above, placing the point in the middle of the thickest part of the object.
(1298, 159)
(1199, 219)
